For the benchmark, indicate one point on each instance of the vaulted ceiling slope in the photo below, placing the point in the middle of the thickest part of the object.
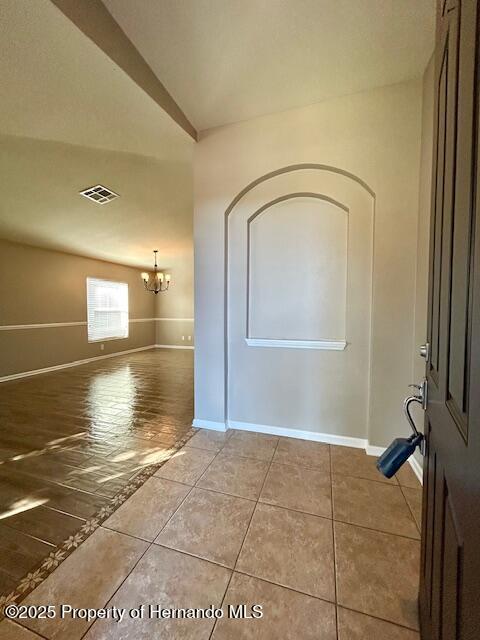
(229, 60)
(41, 205)
(56, 84)
(71, 118)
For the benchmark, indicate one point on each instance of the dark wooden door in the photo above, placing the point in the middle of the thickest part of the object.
(450, 570)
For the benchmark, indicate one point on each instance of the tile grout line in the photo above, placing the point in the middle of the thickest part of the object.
(347, 475)
(29, 535)
(386, 533)
(149, 543)
(256, 501)
(287, 587)
(231, 573)
(208, 466)
(246, 533)
(18, 624)
(309, 595)
(371, 615)
(307, 513)
(311, 468)
(411, 510)
(121, 583)
(277, 506)
(256, 504)
(282, 586)
(333, 544)
(148, 547)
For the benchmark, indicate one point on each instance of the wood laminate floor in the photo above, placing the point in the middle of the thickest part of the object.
(71, 440)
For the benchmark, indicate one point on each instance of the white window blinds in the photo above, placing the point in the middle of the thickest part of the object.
(107, 309)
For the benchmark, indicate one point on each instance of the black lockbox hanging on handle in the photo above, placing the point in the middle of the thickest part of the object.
(402, 448)
(397, 454)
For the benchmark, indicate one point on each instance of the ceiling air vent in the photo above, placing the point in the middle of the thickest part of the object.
(99, 194)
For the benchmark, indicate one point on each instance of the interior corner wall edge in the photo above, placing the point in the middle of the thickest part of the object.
(423, 237)
(39, 286)
(374, 135)
(174, 332)
(174, 309)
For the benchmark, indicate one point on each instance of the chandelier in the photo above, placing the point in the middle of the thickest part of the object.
(156, 282)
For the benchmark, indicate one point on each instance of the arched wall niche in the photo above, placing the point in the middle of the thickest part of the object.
(297, 256)
(323, 390)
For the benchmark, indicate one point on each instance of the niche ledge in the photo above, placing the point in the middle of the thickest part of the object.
(328, 345)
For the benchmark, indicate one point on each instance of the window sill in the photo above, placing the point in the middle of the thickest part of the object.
(108, 339)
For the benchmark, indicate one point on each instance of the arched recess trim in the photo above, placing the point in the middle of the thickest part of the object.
(290, 196)
(297, 167)
(268, 176)
(262, 209)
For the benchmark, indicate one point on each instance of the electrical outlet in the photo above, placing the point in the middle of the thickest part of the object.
(183, 337)
(189, 338)
(102, 347)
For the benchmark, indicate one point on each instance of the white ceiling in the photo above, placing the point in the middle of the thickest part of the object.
(41, 204)
(56, 84)
(70, 119)
(229, 60)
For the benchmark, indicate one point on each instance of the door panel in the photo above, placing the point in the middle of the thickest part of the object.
(463, 218)
(438, 213)
(450, 570)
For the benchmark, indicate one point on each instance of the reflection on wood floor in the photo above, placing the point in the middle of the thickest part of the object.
(70, 440)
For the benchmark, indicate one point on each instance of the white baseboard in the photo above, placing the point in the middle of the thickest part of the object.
(327, 438)
(174, 346)
(372, 450)
(74, 363)
(417, 468)
(208, 424)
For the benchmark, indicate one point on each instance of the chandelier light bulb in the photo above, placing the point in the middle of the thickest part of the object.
(157, 282)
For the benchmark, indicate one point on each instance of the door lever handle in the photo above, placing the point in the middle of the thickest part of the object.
(421, 396)
(406, 409)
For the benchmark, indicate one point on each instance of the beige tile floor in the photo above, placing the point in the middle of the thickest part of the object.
(310, 531)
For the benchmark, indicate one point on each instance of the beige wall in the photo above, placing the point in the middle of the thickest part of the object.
(39, 286)
(41, 207)
(287, 384)
(302, 240)
(375, 135)
(174, 309)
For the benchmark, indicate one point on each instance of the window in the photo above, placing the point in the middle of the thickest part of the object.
(107, 309)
